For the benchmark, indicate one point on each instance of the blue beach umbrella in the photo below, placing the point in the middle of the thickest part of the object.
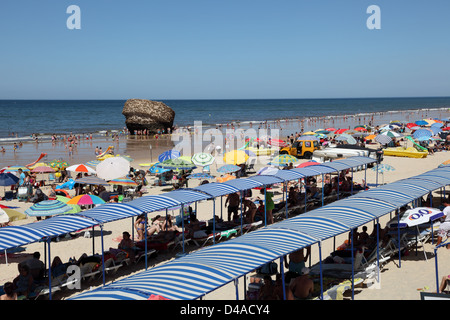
(421, 123)
(228, 168)
(48, 208)
(200, 175)
(167, 155)
(422, 133)
(93, 163)
(8, 179)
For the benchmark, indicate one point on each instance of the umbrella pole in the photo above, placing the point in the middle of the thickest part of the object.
(398, 235)
(103, 253)
(214, 220)
(182, 224)
(321, 270)
(265, 207)
(353, 266)
(436, 267)
(283, 284)
(6, 257)
(49, 271)
(286, 203)
(242, 222)
(338, 185)
(351, 191)
(322, 188)
(221, 207)
(145, 237)
(93, 241)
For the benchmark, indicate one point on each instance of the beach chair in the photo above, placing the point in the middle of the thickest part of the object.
(141, 254)
(341, 270)
(58, 284)
(251, 167)
(202, 241)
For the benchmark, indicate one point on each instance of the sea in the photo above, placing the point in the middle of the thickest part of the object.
(23, 118)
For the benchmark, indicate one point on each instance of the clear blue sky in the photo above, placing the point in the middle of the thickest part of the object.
(192, 49)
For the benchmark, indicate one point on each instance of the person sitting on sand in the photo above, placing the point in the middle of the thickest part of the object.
(444, 282)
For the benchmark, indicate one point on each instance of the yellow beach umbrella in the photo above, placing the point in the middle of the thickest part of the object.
(309, 133)
(235, 157)
(370, 137)
(226, 177)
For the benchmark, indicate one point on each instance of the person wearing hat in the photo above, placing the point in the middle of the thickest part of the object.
(302, 287)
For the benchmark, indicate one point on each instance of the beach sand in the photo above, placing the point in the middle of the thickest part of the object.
(396, 283)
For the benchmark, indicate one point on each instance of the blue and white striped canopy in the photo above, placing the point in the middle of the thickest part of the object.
(244, 184)
(361, 159)
(216, 189)
(187, 195)
(335, 166)
(288, 175)
(266, 180)
(106, 293)
(375, 207)
(393, 197)
(433, 177)
(154, 203)
(110, 212)
(15, 236)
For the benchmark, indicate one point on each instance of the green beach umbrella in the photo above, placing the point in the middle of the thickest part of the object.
(75, 208)
(284, 158)
(47, 208)
(177, 164)
(59, 164)
(202, 159)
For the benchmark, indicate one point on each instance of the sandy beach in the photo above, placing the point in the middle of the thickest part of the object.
(396, 283)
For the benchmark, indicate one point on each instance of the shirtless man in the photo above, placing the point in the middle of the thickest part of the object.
(233, 200)
(297, 260)
(249, 210)
(302, 287)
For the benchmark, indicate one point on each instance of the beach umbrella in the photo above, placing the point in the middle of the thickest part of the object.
(177, 164)
(39, 164)
(86, 199)
(444, 164)
(123, 182)
(417, 216)
(225, 178)
(445, 129)
(435, 130)
(340, 131)
(93, 163)
(228, 168)
(391, 134)
(307, 164)
(156, 169)
(200, 175)
(346, 137)
(362, 129)
(284, 159)
(47, 208)
(58, 164)
(128, 158)
(267, 171)
(383, 139)
(169, 154)
(13, 169)
(235, 157)
(437, 125)
(322, 131)
(202, 159)
(303, 138)
(421, 122)
(331, 129)
(8, 179)
(309, 133)
(91, 180)
(80, 168)
(422, 133)
(410, 125)
(113, 168)
(370, 137)
(75, 208)
(7, 215)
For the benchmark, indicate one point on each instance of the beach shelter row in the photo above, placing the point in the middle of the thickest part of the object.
(193, 276)
(15, 236)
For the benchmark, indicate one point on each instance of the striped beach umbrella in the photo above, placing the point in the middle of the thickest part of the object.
(284, 159)
(13, 169)
(167, 155)
(200, 175)
(86, 199)
(346, 137)
(383, 139)
(177, 164)
(93, 163)
(47, 208)
(91, 180)
(123, 182)
(391, 134)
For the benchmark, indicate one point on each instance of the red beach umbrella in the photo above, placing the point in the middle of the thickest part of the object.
(307, 164)
(340, 131)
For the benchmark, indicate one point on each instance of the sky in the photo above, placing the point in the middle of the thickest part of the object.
(228, 49)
